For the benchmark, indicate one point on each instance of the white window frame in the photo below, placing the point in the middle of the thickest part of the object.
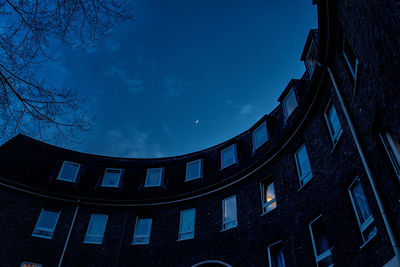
(200, 172)
(278, 243)
(31, 263)
(51, 231)
(352, 71)
(118, 181)
(334, 136)
(62, 168)
(234, 156)
(87, 235)
(225, 223)
(136, 238)
(181, 234)
(264, 203)
(392, 148)
(369, 220)
(326, 253)
(285, 109)
(303, 179)
(310, 66)
(161, 177)
(255, 145)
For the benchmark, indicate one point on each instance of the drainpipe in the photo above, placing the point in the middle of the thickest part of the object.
(366, 166)
(69, 233)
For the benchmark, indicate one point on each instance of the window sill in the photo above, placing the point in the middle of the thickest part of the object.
(183, 239)
(304, 185)
(264, 213)
(138, 244)
(223, 230)
(339, 138)
(92, 243)
(368, 241)
(42, 236)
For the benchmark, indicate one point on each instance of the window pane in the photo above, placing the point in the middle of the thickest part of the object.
(188, 220)
(260, 135)
(111, 177)
(304, 167)
(153, 177)
(69, 171)
(334, 123)
(228, 156)
(320, 240)
(290, 103)
(143, 227)
(393, 148)
(270, 193)
(276, 256)
(361, 203)
(96, 228)
(48, 219)
(193, 170)
(230, 209)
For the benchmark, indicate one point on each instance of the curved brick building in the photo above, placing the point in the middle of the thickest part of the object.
(314, 183)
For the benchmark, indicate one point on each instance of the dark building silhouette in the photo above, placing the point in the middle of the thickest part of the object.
(314, 183)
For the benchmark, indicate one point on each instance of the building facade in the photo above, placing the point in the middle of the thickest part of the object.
(314, 183)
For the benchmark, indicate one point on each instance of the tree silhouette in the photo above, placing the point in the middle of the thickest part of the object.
(28, 31)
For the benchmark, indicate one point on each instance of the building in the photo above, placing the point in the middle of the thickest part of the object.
(314, 183)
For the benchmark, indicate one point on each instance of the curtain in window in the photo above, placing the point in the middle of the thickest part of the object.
(361, 203)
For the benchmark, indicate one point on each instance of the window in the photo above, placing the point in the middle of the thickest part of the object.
(194, 169)
(275, 255)
(350, 58)
(311, 58)
(228, 156)
(393, 150)
(361, 208)
(142, 231)
(30, 264)
(154, 177)
(69, 171)
(46, 223)
(229, 217)
(186, 224)
(268, 200)
(289, 104)
(303, 165)
(111, 177)
(322, 251)
(96, 228)
(260, 136)
(332, 119)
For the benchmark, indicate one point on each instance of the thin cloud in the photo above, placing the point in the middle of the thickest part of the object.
(246, 109)
(132, 144)
(133, 85)
(173, 86)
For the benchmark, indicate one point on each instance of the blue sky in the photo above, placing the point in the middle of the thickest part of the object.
(221, 62)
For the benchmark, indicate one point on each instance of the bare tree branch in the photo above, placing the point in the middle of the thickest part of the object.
(27, 30)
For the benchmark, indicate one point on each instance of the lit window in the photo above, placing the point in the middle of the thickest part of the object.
(289, 104)
(194, 169)
(111, 178)
(350, 58)
(142, 231)
(361, 208)
(393, 149)
(322, 251)
(229, 218)
(311, 58)
(96, 228)
(275, 255)
(332, 119)
(303, 165)
(69, 171)
(268, 197)
(260, 136)
(30, 264)
(186, 224)
(154, 177)
(46, 223)
(228, 156)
